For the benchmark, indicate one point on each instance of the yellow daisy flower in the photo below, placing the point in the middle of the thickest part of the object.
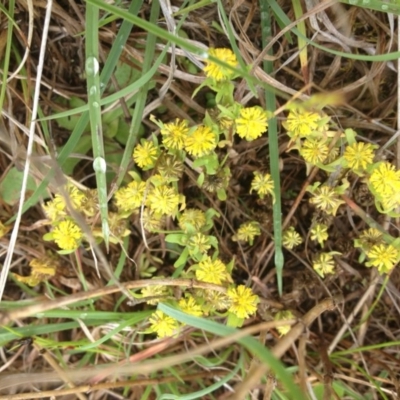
(217, 72)
(383, 257)
(326, 199)
(163, 200)
(301, 123)
(145, 154)
(194, 217)
(130, 197)
(67, 235)
(291, 238)
(201, 142)
(324, 264)
(244, 301)
(251, 123)
(385, 179)
(319, 232)
(162, 324)
(247, 232)
(212, 271)
(262, 184)
(359, 156)
(189, 306)
(314, 151)
(175, 134)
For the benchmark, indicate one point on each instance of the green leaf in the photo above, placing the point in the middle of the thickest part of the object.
(10, 188)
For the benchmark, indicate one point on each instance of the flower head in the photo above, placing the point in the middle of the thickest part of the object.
(145, 154)
(247, 232)
(3, 229)
(189, 306)
(385, 180)
(314, 151)
(301, 123)
(163, 200)
(252, 122)
(217, 72)
(41, 269)
(162, 324)
(158, 291)
(319, 232)
(291, 238)
(198, 243)
(175, 134)
(326, 199)
(67, 235)
(359, 156)
(262, 184)
(200, 142)
(324, 264)
(192, 217)
(368, 239)
(130, 197)
(383, 257)
(212, 271)
(243, 301)
(169, 167)
(282, 316)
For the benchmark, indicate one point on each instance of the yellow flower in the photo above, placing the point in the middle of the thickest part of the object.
(301, 123)
(244, 301)
(368, 239)
(247, 232)
(385, 180)
(383, 257)
(145, 154)
(212, 271)
(359, 156)
(189, 306)
(130, 197)
(55, 209)
(162, 324)
(262, 184)
(282, 316)
(169, 167)
(194, 217)
(220, 73)
(67, 235)
(291, 238)
(151, 221)
(154, 291)
(326, 199)
(314, 151)
(201, 142)
(198, 243)
(319, 232)
(163, 200)
(41, 269)
(175, 134)
(324, 263)
(251, 123)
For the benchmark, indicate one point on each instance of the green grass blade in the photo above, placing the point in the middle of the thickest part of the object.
(273, 150)
(92, 68)
(204, 392)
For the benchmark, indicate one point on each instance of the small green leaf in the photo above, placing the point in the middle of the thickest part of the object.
(10, 188)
